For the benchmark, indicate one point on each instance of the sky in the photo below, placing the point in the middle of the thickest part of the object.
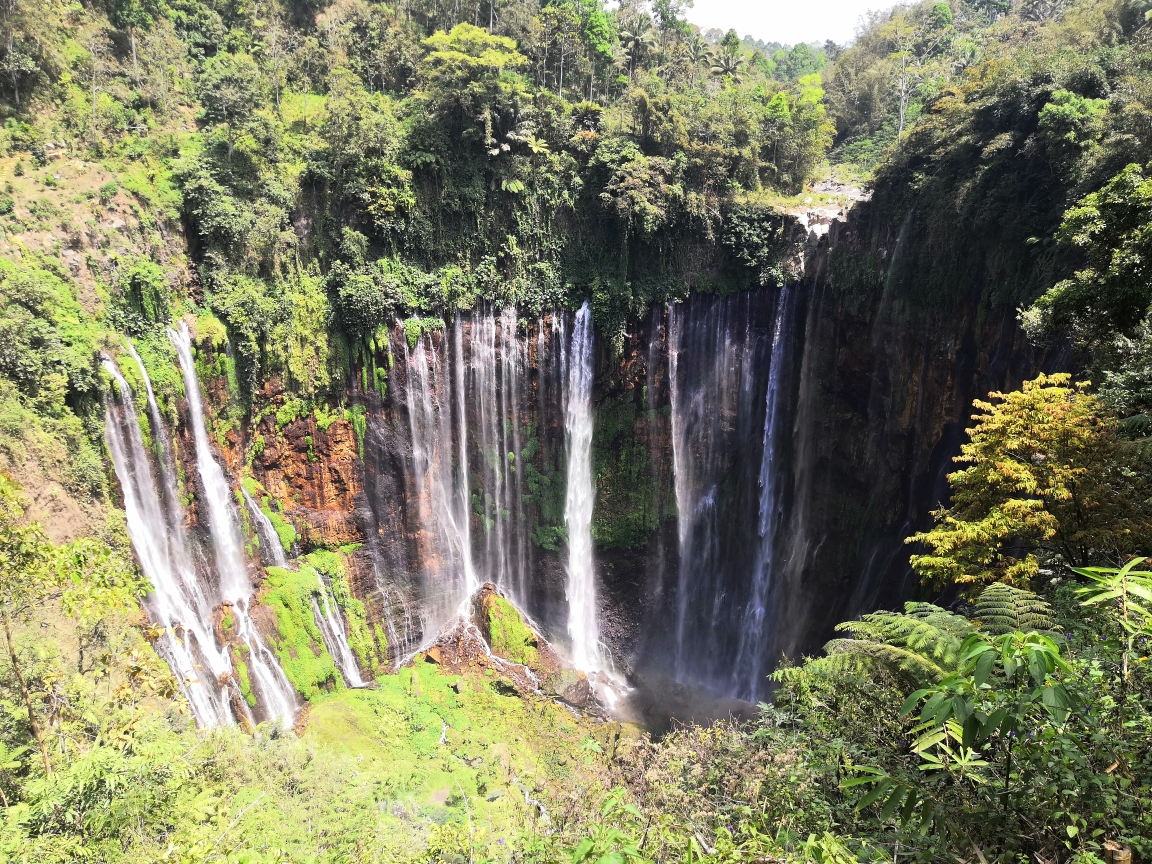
(787, 21)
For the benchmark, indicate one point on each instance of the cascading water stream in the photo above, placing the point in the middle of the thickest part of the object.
(235, 587)
(325, 609)
(578, 499)
(718, 353)
(441, 503)
(749, 668)
(270, 546)
(188, 644)
(331, 624)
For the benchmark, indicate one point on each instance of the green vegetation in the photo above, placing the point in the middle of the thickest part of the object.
(50, 386)
(1047, 479)
(369, 644)
(508, 635)
(299, 644)
(337, 167)
(626, 510)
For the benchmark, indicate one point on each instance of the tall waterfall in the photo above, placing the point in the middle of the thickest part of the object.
(750, 666)
(722, 355)
(176, 602)
(466, 403)
(580, 495)
(271, 684)
(441, 489)
(495, 367)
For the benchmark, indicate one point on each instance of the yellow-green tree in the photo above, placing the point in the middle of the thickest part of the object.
(1045, 478)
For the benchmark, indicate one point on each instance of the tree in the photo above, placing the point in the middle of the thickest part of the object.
(133, 15)
(27, 580)
(728, 66)
(1112, 229)
(1045, 477)
(227, 88)
(637, 40)
(563, 27)
(464, 71)
(669, 15)
(278, 45)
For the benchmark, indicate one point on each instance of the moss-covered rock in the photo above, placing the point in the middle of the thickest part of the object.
(626, 510)
(298, 643)
(368, 643)
(508, 635)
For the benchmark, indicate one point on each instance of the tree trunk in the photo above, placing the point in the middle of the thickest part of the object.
(27, 696)
(15, 80)
(135, 65)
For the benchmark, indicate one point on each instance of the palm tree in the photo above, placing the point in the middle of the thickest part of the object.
(637, 38)
(698, 51)
(728, 65)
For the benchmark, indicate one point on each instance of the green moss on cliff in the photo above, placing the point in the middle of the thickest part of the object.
(626, 511)
(245, 683)
(357, 415)
(300, 646)
(546, 486)
(510, 637)
(284, 529)
(369, 644)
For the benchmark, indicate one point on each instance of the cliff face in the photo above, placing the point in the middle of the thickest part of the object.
(758, 459)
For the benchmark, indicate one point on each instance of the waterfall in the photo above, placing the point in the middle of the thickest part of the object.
(271, 549)
(579, 496)
(718, 350)
(749, 668)
(325, 610)
(441, 496)
(236, 589)
(331, 624)
(496, 364)
(175, 603)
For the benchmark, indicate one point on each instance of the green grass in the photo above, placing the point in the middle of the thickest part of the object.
(491, 743)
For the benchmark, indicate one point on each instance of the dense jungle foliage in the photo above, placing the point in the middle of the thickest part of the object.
(297, 174)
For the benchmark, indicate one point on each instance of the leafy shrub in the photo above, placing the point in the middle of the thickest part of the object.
(108, 191)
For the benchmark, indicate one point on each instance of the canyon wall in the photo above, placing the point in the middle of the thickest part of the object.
(758, 460)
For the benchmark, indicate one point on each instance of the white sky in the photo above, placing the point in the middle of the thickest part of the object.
(787, 21)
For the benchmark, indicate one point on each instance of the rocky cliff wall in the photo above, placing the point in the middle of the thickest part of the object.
(446, 459)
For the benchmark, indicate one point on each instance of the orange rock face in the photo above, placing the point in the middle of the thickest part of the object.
(315, 475)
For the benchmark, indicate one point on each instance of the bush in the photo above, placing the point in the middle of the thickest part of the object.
(108, 191)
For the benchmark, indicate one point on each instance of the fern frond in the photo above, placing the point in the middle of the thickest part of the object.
(902, 662)
(934, 633)
(1004, 609)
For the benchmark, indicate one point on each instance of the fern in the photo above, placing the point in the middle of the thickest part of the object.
(1004, 609)
(920, 645)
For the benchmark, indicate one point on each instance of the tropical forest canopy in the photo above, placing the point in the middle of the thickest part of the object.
(297, 175)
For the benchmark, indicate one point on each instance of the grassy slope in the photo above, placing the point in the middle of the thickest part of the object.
(378, 783)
